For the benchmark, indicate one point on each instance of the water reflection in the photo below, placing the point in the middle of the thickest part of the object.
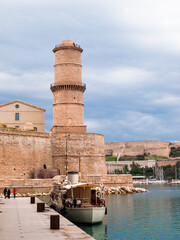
(153, 215)
(98, 231)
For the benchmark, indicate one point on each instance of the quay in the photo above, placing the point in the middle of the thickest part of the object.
(19, 220)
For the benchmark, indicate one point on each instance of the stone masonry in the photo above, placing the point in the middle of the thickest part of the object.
(135, 148)
(69, 145)
(22, 152)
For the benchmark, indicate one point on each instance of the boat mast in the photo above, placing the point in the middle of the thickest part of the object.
(175, 172)
(79, 169)
(66, 166)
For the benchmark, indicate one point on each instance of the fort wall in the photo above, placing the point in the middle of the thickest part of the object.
(21, 152)
(135, 148)
(88, 148)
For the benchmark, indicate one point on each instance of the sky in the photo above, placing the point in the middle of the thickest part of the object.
(130, 62)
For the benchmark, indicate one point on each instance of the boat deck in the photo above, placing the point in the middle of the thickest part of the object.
(20, 220)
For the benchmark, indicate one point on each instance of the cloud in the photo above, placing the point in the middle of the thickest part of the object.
(34, 83)
(130, 61)
(133, 126)
(167, 100)
(110, 81)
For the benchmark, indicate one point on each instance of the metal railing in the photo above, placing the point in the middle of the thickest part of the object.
(68, 83)
(76, 45)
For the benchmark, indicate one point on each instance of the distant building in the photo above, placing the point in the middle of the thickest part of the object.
(22, 115)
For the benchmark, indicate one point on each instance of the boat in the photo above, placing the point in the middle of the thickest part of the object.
(159, 176)
(157, 181)
(79, 202)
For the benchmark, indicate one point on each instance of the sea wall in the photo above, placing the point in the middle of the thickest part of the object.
(24, 186)
(22, 152)
(135, 148)
(36, 186)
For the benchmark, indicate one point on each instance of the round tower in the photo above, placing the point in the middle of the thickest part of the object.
(71, 145)
(68, 106)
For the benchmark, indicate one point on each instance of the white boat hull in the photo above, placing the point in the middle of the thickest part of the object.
(88, 215)
(158, 182)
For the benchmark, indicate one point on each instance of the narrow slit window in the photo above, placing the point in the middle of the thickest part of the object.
(17, 116)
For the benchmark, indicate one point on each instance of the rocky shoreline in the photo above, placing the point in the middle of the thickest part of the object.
(107, 191)
(123, 190)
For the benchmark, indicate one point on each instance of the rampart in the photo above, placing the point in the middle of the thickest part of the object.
(135, 148)
(21, 152)
(88, 148)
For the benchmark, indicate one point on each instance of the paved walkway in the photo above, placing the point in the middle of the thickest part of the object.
(20, 220)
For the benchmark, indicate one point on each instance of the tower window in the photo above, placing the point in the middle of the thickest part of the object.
(17, 116)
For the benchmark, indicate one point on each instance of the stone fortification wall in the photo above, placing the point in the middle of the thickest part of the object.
(21, 152)
(89, 148)
(111, 166)
(35, 186)
(46, 173)
(175, 144)
(135, 148)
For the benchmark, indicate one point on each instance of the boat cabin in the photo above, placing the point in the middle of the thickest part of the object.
(83, 195)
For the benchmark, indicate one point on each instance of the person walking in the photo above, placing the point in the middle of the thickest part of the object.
(8, 193)
(5, 192)
(14, 192)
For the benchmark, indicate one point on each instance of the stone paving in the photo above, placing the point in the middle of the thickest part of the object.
(20, 220)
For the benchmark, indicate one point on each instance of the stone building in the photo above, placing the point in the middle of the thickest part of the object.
(22, 115)
(70, 141)
(68, 146)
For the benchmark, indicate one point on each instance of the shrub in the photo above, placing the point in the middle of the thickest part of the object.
(175, 152)
(111, 158)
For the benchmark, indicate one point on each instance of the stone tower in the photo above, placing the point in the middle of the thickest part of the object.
(71, 143)
(68, 107)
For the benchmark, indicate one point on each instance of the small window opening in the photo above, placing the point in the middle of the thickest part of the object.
(16, 116)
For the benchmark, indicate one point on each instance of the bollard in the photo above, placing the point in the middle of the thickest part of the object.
(54, 221)
(40, 207)
(32, 200)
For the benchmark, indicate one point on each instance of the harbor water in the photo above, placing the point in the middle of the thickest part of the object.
(153, 215)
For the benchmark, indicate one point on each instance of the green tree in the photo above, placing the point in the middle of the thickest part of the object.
(135, 169)
(125, 169)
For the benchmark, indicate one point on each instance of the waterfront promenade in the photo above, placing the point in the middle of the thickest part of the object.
(20, 220)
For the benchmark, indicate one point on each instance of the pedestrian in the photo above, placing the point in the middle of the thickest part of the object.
(14, 192)
(5, 192)
(8, 193)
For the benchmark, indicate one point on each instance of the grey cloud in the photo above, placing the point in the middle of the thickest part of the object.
(130, 61)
